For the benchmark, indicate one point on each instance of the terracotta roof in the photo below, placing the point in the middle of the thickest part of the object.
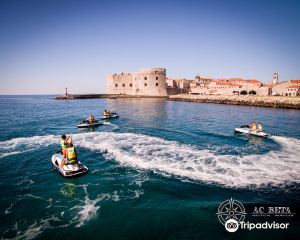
(234, 80)
(228, 84)
(224, 83)
(293, 86)
(295, 81)
(253, 81)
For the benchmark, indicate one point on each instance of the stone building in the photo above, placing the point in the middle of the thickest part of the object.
(230, 86)
(147, 82)
(153, 82)
(287, 88)
(178, 86)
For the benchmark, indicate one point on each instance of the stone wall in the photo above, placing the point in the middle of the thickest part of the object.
(266, 101)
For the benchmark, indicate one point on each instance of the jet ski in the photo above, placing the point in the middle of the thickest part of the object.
(245, 129)
(86, 124)
(112, 115)
(69, 170)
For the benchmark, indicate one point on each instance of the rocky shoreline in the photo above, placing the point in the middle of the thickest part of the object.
(268, 101)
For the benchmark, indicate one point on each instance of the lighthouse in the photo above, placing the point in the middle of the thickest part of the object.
(66, 93)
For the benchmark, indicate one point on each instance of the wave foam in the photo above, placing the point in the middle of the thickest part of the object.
(12, 147)
(34, 230)
(174, 159)
(89, 209)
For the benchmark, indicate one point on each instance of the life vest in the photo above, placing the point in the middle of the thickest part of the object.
(63, 145)
(71, 154)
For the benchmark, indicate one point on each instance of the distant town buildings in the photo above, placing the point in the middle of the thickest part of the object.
(238, 86)
(153, 82)
(287, 88)
(178, 86)
(228, 86)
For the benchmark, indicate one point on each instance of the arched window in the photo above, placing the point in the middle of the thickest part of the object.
(252, 92)
(243, 92)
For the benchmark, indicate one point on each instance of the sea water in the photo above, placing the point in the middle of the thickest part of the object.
(160, 171)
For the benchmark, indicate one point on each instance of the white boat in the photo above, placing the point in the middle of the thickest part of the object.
(68, 170)
(246, 130)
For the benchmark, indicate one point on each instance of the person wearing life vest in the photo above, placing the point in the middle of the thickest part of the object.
(253, 126)
(260, 127)
(64, 142)
(91, 119)
(106, 113)
(71, 154)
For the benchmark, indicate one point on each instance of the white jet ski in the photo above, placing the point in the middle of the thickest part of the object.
(112, 115)
(86, 124)
(245, 129)
(69, 170)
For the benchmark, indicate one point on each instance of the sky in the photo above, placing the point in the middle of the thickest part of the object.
(46, 46)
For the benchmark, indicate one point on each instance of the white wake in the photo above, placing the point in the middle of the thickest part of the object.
(185, 161)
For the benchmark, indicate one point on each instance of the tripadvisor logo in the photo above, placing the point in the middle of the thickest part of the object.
(231, 213)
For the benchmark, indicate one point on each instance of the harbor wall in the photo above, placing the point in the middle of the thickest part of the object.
(259, 101)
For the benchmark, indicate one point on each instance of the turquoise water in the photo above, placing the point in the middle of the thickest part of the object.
(160, 171)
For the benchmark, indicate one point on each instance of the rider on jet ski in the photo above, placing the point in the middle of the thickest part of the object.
(65, 143)
(107, 113)
(260, 127)
(256, 127)
(91, 119)
(252, 126)
(71, 154)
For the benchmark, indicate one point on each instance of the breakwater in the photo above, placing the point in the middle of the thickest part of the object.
(259, 101)
(267, 101)
(93, 96)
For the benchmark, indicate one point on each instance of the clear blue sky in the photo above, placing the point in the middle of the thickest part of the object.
(47, 45)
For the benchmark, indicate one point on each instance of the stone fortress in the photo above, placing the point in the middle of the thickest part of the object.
(147, 82)
(153, 82)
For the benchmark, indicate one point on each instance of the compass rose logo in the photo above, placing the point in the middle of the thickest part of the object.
(231, 209)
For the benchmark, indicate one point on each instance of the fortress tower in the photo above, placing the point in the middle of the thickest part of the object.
(275, 79)
(147, 82)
